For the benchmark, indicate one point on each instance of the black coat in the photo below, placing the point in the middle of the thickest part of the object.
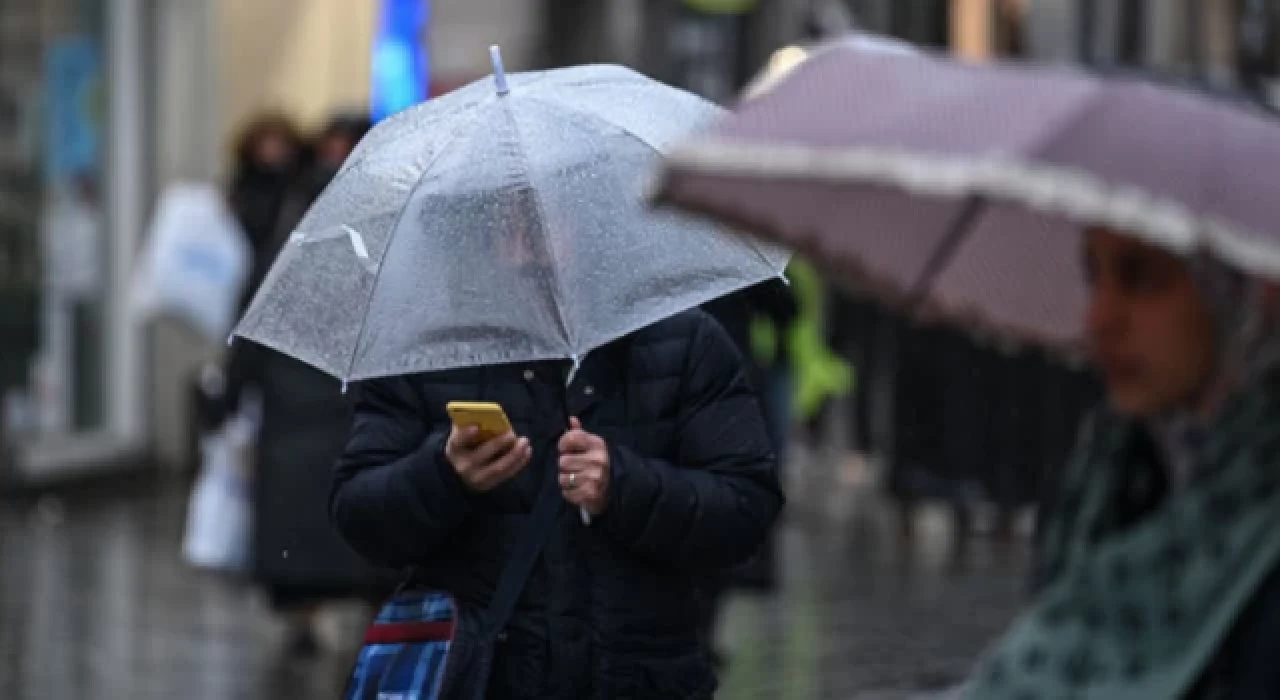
(735, 312)
(855, 327)
(298, 554)
(260, 200)
(611, 610)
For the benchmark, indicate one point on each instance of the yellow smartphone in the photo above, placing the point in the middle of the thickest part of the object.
(488, 417)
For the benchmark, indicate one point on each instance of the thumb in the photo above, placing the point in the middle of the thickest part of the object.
(574, 423)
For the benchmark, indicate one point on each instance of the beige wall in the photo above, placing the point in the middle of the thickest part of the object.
(307, 57)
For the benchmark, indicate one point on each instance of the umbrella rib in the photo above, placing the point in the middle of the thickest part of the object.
(946, 250)
(597, 117)
(570, 341)
(382, 262)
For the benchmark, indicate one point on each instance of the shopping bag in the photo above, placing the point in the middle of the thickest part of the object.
(219, 531)
(195, 262)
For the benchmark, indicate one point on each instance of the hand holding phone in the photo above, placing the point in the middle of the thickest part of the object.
(482, 447)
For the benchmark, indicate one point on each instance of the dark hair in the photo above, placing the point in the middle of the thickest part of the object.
(263, 125)
(353, 126)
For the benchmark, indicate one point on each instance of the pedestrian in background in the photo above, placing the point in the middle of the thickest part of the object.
(299, 559)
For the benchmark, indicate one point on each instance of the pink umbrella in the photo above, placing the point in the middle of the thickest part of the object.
(960, 188)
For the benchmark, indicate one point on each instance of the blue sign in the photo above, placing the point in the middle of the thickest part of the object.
(74, 105)
(400, 60)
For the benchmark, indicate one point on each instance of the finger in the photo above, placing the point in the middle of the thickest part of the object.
(575, 441)
(574, 463)
(506, 465)
(578, 495)
(569, 483)
(573, 444)
(574, 423)
(465, 436)
(513, 460)
(494, 448)
(584, 495)
(589, 476)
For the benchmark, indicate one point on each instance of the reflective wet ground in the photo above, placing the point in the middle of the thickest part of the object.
(95, 603)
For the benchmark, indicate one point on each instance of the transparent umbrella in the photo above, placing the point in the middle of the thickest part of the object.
(504, 222)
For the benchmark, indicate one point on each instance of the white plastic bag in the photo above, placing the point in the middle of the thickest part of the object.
(195, 262)
(220, 514)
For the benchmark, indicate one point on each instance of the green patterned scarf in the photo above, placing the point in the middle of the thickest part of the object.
(1137, 608)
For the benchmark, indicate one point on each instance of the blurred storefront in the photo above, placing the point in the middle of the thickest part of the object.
(72, 189)
(1226, 42)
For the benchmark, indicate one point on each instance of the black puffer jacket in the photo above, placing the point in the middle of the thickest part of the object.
(611, 610)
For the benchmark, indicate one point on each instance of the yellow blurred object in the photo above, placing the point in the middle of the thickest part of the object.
(780, 64)
(972, 28)
(722, 7)
(819, 373)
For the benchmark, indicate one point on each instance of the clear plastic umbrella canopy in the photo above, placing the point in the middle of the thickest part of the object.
(504, 222)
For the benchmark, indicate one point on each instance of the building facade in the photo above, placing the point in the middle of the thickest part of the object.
(72, 200)
(103, 102)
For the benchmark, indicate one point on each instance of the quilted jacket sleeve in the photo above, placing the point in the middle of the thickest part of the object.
(713, 504)
(395, 497)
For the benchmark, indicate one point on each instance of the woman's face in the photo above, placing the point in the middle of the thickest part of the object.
(332, 151)
(273, 151)
(1149, 330)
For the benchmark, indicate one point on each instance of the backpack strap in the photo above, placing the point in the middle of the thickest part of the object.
(515, 574)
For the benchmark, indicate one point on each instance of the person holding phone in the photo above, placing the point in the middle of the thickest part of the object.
(658, 438)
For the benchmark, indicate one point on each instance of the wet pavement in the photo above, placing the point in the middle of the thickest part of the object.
(95, 602)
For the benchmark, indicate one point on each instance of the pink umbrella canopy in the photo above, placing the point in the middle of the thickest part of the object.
(961, 188)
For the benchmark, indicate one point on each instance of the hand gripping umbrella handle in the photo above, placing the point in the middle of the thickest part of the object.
(573, 370)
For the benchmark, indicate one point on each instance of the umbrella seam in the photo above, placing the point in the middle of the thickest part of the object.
(570, 341)
(391, 235)
(1066, 122)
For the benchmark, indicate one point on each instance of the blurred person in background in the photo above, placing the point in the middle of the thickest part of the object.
(298, 557)
(737, 313)
(327, 152)
(1158, 555)
(269, 154)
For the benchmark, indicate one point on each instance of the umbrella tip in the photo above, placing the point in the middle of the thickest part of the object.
(499, 72)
